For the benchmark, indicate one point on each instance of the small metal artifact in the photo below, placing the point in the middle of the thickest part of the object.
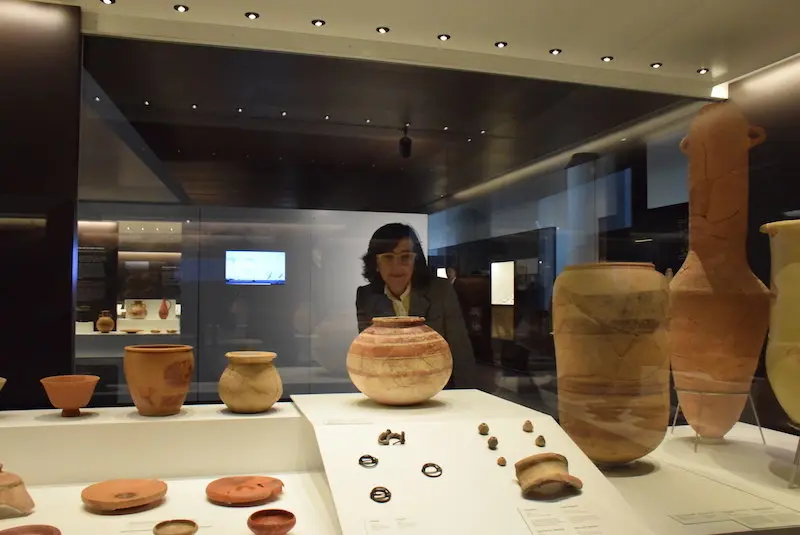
(385, 438)
(540, 441)
(483, 429)
(492, 443)
(368, 461)
(501, 461)
(380, 495)
(431, 469)
(527, 426)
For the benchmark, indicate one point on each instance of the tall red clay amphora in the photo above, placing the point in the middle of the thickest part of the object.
(609, 325)
(719, 308)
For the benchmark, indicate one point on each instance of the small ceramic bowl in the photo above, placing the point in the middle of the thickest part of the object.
(271, 522)
(70, 393)
(175, 527)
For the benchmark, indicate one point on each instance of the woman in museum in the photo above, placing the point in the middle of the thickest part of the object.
(400, 284)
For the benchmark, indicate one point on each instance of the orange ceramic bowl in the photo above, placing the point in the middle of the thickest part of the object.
(70, 392)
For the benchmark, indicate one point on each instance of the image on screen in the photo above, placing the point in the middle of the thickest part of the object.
(255, 267)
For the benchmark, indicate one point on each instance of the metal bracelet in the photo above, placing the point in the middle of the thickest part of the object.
(368, 461)
(380, 495)
(432, 470)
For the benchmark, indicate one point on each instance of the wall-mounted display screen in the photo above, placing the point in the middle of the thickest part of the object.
(255, 267)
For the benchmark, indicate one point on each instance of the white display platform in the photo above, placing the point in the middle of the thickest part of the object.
(474, 495)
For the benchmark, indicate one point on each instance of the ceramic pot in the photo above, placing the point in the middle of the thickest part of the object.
(13, 494)
(545, 474)
(612, 358)
(105, 323)
(399, 361)
(70, 393)
(271, 522)
(783, 347)
(137, 311)
(158, 377)
(250, 382)
(164, 308)
(719, 309)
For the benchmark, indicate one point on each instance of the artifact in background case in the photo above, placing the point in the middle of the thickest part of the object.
(164, 308)
(241, 491)
(137, 311)
(2, 382)
(399, 361)
(123, 495)
(105, 323)
(70, 393)
(251, 382)
(271, 522)
(783, 346)
(158, 377)
(544, 475)
(719, 308)
(612, 358)
(14, 498)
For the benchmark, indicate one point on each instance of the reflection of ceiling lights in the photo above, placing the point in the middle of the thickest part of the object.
(501, 44)
(240, 110)
(607, 59)
(318, 23)
(656, 65)
(555, 51)
(252, 15)
(327, 117)
(483, 132)
(446, 128)
(108, 2)
(180, 8)
(194, 106)
(382, 29)
(97, 99)
(443, 37)
(283, 114)
(703, 70)
(146, 102)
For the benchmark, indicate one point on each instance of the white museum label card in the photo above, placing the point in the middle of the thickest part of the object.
(766, 517)
(689, 519)
(565, 520)
(389, 526)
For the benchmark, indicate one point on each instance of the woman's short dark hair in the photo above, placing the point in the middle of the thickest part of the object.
(385, 240)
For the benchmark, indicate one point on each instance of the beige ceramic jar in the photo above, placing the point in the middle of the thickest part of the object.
(251, 382)
(105, 323)
(783, 348)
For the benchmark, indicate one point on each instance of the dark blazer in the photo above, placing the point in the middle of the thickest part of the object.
(438, 304)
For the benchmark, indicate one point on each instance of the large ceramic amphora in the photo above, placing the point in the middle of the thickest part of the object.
(612, 359)
(719, 308)
(399, 361)
(158, 377)
(783, 347)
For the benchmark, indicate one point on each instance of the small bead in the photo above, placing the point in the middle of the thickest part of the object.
(492, 443)
(527, 426)
(540, 441)
(501, 461)
(483, 429)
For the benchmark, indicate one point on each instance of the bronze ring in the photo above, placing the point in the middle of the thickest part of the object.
(368, 461)
(380, 495)
(435, 472)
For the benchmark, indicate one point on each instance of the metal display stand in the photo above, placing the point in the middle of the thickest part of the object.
(793, 480)
(702, 393)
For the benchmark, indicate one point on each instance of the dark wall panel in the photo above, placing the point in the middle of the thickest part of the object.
(40, 62)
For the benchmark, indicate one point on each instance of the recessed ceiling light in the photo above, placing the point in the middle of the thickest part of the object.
(656, 65)
(607, 59)
(555, 51)
(703, 70)
(180, 8)
(443, 37)
(240, 110)
(252, 15)
(501, 44)
(318, 23)
(408, 125)
(327, 117)
(382, 29)
(624, 139)
(469, 140)
(446, 128)
(483, 132)
(108, 2)
(194, 106)
(367, 121)
(283, 114)
(97, 99)
(146, 102)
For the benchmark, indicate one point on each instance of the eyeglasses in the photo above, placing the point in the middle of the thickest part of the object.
(404, 259)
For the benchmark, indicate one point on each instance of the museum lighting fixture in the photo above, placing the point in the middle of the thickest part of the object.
(252, 15)
(97, 99)
(368, 121)
(703, 70)
(656, 65)
(327, 117)
(284, 114)
(240, 110)
(108, 2)
(501, 44)
(446, 128)
(382, 29)
(555, 51)
(180, 8)
(483, 132)
(607, 59)
(318, 23)
(194, 106)
(443, 37)
(146, 102)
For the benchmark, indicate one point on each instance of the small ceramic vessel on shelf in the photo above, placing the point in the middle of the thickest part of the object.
(123, 495)
(14, 497)
(70, 393)
(176, 527)
(250, 383)
(242, 491)
(2, 382)
(271, 522)
(105, 323)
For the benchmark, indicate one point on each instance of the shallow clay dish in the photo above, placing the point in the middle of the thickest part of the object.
(33, 529)
(120, 494)
(271, 522)
(240, 491)
(131, 331)
(172, 331)
(156, 331)
(176, 527)
(70, 393)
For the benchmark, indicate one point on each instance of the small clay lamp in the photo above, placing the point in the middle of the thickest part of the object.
(13, 495)
(271, 522)
(545, 475)
(70, 393)
(176, 527)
